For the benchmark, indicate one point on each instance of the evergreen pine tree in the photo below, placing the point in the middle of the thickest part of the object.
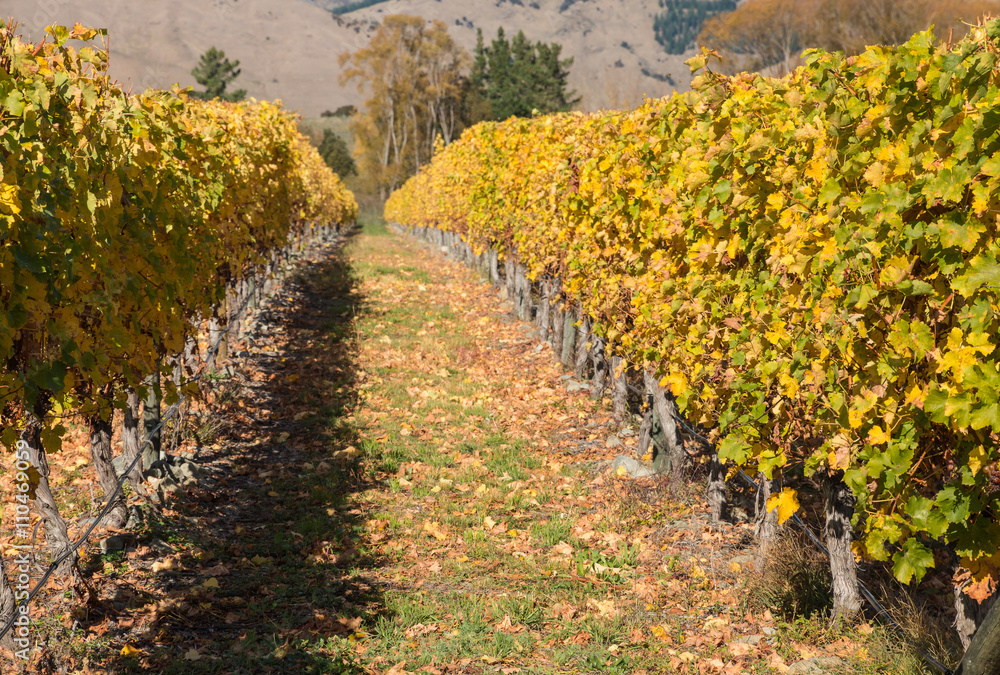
(517, 78)
(334, 152)
(215, 72)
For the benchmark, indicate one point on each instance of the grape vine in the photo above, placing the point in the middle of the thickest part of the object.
(809, 263)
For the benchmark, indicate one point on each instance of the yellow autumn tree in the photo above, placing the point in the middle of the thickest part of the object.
(770, 34)
(413, 73)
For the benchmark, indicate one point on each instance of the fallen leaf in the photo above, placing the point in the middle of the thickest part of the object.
(603, 607)
(740, 648)
(717, 623)
(562, 548)
(433, 528)
(397, 669)
(777, 663)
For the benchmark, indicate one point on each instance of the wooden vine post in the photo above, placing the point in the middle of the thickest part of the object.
(982, 657)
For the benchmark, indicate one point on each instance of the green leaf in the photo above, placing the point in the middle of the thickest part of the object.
(924, 515)
(914, 287)
(985, 416)
(934, 405)
(912, 561)
(830, 191)
(983, 271)
(734, 449)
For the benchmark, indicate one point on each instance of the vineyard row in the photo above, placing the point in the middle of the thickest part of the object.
(130, 223)
(806, 267)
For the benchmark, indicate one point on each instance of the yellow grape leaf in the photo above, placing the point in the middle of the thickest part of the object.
(877, 435)
(789, 385)
(787, 503)
(916, 396)
(677, 382)
(977, 457)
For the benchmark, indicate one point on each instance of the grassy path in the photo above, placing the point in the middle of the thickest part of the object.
(402, 482)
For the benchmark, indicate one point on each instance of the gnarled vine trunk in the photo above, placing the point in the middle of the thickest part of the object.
(970, 614)
(100, 452)
(600, 361)
(838, 533)
(569, 337)
(56, 532)
(666, 409)
(544, 309)
(619, 404)
(716, 489)
(765, 522)
(582, 349)
(132, 438)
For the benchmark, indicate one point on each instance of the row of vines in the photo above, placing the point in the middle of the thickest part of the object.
(129, 225)
(805, 266)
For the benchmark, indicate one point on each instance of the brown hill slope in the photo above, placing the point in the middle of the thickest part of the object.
(288, 48)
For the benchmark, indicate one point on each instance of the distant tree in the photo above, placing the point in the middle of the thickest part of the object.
(516, 78)
(772, 33)
(342, 111)
(215, 72)
(413, 70)
(354, 6)
(760, 34)
(678, 26)
(334, 152)
(852, 25)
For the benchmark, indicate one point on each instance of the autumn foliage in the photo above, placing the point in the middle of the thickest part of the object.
(810, 263)
(123, 217)
(772, 33)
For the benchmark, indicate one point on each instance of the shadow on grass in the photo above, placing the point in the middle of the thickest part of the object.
(275, 525)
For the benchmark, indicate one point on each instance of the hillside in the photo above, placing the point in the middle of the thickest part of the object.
(288, 49)
(616, 56)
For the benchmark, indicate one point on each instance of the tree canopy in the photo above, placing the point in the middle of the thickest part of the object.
(772, 33)
(333, 150)
(678, 25)
(215, 72)
(516, 78)
(413, 71)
